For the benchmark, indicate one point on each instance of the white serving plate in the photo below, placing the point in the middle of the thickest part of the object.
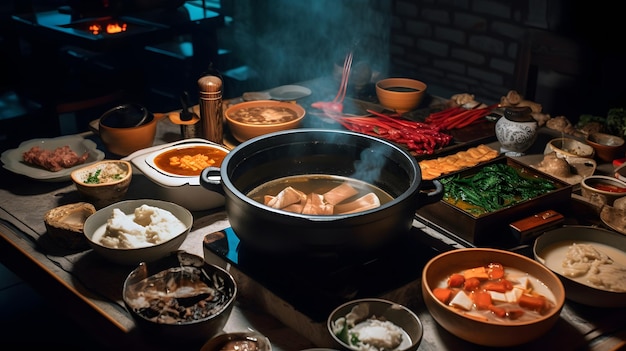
(13, 159)
(184, 191)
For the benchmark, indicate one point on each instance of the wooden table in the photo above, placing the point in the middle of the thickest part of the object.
(88, 289)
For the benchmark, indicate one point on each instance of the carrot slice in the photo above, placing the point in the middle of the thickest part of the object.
(456, 280)
(499, 285)
(471, 284)
(498, 311)
(495, 270)
(482, 300)
(443, 294)
(535, 303)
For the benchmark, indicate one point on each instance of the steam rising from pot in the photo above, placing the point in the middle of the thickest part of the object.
(302, 40)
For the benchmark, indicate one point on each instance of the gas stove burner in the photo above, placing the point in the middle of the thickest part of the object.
(315, 284)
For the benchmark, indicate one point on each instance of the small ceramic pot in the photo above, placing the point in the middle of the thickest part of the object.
(516, 130)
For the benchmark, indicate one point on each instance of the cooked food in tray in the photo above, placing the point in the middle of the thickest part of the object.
(493, 188)
(434, 168)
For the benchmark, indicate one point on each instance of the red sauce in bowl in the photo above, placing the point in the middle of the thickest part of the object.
(609, 187)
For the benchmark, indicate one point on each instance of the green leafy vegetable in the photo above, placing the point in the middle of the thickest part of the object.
(616, 122)
(494, 187)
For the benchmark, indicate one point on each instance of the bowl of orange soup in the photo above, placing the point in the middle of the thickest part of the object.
(173, 172)
(492, 297)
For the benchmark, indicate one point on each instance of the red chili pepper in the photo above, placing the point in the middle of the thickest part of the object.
(418, 137)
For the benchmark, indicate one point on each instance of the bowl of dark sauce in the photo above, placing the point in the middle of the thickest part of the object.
(400, 94)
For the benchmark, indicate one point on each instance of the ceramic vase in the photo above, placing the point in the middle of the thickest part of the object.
(516, 130)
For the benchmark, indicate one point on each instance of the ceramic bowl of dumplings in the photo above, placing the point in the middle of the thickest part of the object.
(590, 261)
(364, 192)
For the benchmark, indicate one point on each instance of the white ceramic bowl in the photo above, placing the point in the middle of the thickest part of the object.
(494, 333)
(373, 309)
(569, 147)
(131, 256)
(602, 190)
(550, 249)
(182, 190)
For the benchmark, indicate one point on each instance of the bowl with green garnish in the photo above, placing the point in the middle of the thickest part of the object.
(103, 183)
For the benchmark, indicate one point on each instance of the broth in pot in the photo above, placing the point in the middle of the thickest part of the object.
(318, 194)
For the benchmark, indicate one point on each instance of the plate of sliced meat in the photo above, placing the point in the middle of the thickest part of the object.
(53, 159)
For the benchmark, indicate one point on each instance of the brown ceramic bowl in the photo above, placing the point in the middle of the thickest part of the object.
(103, 183)
(127, 128)
(250, 119)
(400, 94)
(602, 190)
(551, 247)
(492, 332)
(607, 147)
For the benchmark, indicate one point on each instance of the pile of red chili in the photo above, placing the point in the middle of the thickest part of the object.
(420, 138)
(458, 117)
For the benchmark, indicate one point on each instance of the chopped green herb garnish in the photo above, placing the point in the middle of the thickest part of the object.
(93, 177)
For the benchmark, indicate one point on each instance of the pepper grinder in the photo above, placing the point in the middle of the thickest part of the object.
(211, 120)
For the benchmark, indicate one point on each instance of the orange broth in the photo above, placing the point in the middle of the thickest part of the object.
(189, 161)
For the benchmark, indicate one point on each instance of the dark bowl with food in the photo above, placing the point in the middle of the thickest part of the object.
(589, 261)
(180, 298)
(384, 178)
(375, 324)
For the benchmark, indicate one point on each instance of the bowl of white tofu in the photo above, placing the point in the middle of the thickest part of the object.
(492, 297)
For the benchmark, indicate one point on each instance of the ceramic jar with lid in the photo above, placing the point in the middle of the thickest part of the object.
(516, 130)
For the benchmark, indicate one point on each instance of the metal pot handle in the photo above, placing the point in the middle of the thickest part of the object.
(430, 192)
(211, 179)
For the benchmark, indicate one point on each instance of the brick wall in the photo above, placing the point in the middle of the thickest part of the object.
(461, 45)
(474, 45)
(453, 45)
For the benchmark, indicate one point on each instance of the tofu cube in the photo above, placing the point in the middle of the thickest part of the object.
(514, 294)
(462, 301)
(498, 296)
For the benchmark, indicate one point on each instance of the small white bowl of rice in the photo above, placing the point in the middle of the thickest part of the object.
(375, 324)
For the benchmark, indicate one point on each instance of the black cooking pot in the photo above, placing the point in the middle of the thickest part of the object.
(328, 152)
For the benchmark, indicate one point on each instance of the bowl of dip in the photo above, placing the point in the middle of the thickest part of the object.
(602, 190)
(133, 231)
(103, 183)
